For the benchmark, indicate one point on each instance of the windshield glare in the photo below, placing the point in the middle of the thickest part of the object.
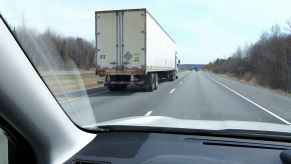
(151, 64)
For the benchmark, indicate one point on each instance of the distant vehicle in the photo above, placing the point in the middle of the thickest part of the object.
(195, 69)
(133, 49)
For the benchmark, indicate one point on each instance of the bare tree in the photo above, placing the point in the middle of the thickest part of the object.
(52, 51)
(266, 59)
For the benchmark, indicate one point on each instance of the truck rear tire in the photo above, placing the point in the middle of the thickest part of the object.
(149, 82)
(172, 76)
(156, 81)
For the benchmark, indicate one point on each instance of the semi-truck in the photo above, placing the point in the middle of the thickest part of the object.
(133, 49)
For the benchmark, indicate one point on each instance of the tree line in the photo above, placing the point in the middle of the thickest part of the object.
(50, 51)
(264, 61)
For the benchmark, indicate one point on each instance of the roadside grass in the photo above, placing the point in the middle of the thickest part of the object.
(62, 83)
(252, 81)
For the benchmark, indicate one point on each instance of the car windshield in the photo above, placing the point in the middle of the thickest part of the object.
(185, 64)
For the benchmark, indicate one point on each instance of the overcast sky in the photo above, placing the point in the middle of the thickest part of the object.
(203, 29)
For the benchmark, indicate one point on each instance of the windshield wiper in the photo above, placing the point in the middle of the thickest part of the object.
(233, 133)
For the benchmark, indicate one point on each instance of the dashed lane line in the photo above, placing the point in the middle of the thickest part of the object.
(172, 90)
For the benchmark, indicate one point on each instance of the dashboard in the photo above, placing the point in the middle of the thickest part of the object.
(159, 148)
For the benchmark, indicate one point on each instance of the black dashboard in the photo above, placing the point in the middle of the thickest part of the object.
(158, 148)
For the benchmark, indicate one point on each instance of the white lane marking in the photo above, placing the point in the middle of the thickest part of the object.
(148, 113)
(252, 102)
(172, 90)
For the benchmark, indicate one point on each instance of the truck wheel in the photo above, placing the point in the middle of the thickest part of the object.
(156, 81)
(149, 82)
(172, 76)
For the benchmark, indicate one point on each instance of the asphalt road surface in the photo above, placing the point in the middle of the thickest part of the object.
(197, 96)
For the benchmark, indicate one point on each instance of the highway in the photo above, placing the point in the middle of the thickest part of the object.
(197, 96)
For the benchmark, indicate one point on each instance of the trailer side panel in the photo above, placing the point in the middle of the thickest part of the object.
(161, 49)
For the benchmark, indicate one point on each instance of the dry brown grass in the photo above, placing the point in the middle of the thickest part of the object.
(248, 78)
(68, 83)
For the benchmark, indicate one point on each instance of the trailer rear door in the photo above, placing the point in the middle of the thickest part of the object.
(133, 38)
(106, 39)
(120, 39)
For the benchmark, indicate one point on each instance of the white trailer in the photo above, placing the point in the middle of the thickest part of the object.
(133, 49)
